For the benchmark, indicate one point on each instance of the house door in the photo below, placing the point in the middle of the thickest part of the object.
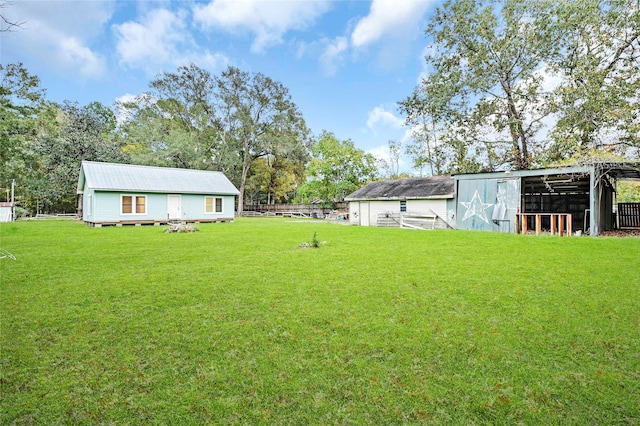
(174, 206)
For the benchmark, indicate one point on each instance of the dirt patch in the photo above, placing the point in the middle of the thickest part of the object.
(621, 233)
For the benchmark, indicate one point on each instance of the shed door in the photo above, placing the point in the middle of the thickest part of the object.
(364, 213)
(174, 206)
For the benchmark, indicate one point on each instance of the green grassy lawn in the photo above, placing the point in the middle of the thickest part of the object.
(236, 324)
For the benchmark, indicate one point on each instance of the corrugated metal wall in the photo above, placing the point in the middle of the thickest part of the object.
(487, 204)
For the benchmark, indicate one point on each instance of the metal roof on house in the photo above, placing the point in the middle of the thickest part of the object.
(134, 178)
(414, 188)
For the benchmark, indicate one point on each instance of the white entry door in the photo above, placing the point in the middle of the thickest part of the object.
(174, 206)
(364, 213)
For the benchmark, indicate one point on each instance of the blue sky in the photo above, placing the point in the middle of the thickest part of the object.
(346, 63)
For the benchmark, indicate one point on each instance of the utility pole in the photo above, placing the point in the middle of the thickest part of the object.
(13, 201)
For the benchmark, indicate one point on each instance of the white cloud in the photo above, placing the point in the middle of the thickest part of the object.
(380, 152)
(381, 117)
(52, 34)
(150, 40)
(267, 20)
(333, 55)
(89, 64)
(389, 18)
(159, 39)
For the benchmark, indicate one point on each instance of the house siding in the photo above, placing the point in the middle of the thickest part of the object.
(106, 207)
(438, 207)
(365, 213)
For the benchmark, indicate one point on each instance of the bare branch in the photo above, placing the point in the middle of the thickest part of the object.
(6, 24)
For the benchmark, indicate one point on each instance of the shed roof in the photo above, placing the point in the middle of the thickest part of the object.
(414, 188)
(134, 178)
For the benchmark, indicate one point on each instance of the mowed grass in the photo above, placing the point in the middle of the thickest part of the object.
(236, 324)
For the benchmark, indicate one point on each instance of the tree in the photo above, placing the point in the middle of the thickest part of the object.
(488, 85)
(391, 166)
(82, 133)
(628, 191)
(598, 99)
(337, 168)
(425, 149)
(483, 78)
(192, 119)
(272, 180)
(24, 115)
(260, 118)
(175, 124)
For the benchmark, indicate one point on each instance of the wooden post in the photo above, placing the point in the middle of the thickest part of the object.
(524, 224)
(560, 224)
(516, 228)
(569, 225)
(553, 224)
(538, 224)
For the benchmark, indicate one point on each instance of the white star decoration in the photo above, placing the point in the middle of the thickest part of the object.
(476, 207)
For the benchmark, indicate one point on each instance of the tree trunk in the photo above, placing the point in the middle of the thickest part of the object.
(520, 151)
(243, 183)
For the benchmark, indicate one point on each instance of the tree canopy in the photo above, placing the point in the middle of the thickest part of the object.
(488, 101)
(193, 119)
(337, 168)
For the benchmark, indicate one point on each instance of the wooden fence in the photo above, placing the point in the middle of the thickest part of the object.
(411, 220)
(310, 210)
(629, 215)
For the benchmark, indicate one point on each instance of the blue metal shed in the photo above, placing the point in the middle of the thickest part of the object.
(564, 199)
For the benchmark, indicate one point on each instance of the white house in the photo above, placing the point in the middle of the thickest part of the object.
(415, 202)
(113, 194)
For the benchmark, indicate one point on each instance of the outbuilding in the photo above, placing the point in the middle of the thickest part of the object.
(117, 194)
(413, 203)
(6, 211)
(564, 200)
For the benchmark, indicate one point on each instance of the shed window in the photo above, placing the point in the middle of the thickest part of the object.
(212, 204)
(129, 201)
(403, 206)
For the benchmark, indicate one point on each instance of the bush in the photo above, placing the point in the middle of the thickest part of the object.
(314, 241)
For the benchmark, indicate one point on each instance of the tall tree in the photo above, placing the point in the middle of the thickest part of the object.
(24, 115)
(82, 133)
(391, 166)
(483, 64)
(598, 99)
(425, 148)
(260, 117)
(192, 119)
(175, 124)
(272, 180)
(336, 169)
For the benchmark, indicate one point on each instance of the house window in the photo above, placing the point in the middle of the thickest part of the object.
(133, 204)
(403, 206)
(212, 204)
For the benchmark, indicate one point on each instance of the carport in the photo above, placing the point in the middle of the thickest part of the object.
(564, 200)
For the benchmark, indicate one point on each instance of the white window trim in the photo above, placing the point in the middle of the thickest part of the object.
(133, 204)
(90, 205)
(214, 205)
